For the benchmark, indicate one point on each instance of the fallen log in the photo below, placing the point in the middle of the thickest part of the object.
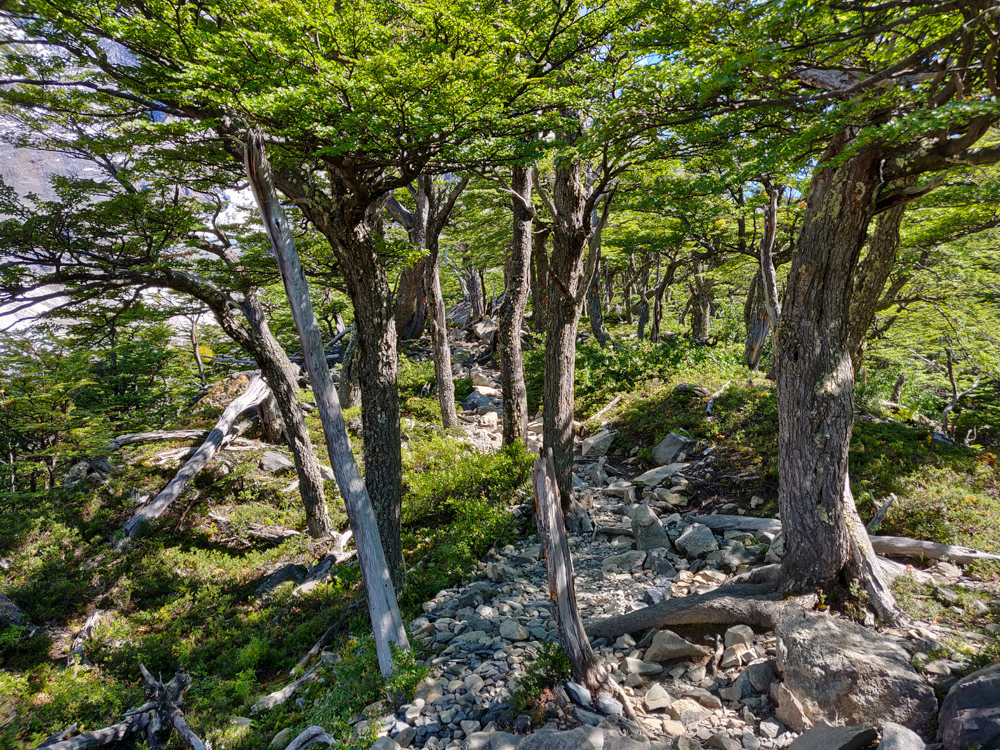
(76, 654)
(257, 530)
(155, 436)
(269, 701)
(254, 393)
(154, 721)
(757, 605)
(901, 546)
(737, 523)
(311, 736)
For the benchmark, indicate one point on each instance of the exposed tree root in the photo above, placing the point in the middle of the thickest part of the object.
(154, 437)
(758, 605)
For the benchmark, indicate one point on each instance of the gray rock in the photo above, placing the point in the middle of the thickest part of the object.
(656, 698)
(723, 742)
(761, 674)
(750, 741)
(406, 736)
(638, 666)
(492, 741)
(970, 713)
(469, 726)
(656, 476)
(790, 710)
(667, 645)
(500, 573)
(385, 743)
(687, 711)
(696, 541)
(776, 551)
(512, 630)
(896, 737)
(649, 534)
(624, 561)
(282, 738)
(581, 738)
(588, 717)
(597, 445)
(660, 565)
(742, 634)
(841, 670)
(608, 705)
(275, 463)
(825, 736)
(579, 693)
(673, 448)
(771, 728)
(476, 400)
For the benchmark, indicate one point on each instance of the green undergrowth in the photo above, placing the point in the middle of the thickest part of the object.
(185, 592)
(528, 696)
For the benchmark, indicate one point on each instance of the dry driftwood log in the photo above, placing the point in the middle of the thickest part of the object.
(153, 721)
(257, 530)
(311, 736)
(269, 701)
(255, 392)
(587, 668)
(155, 436)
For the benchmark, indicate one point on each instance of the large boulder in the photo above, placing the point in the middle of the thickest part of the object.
(839, 670)
(673, 448)
(835, 737)
(649, 534)
(275, 463)
(970, 714)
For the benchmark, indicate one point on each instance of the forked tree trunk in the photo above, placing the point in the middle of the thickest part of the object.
(824, 536)
(511, 319)
(765, 285)
(411, 301)
(376, 572)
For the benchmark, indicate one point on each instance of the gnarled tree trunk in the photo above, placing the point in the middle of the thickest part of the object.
(539, 277)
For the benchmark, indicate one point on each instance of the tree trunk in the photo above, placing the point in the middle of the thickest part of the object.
(596, 315)
(539, 277)
(701, 309)
(196, 351)
(349, 388)
(628, 278)
(376, 570)
(815, 380)
(511, 319)
(439, 338)
(411, 301)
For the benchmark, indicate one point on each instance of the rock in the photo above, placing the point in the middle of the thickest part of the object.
(826, 736)
(492, 741)
(723, 742)
(660, 566)
(838, 669)
(948, 597)
(581, 738)
(687, 711)
(657, 698)
(761, 674)
(474, 683)
(287, 573)
(686, 743)
(477, 399)
(790, 710)
(649, 534)
(578, 693)
(282, 738)
(275, 463)
(667, 645)
(776, 551)
(499, 573)
(970, 713)
(386, 743)
(588, 717)
(489, 419)
(608, 705)
(512, 630)
(739, 634)
(771, 728)
(645, 668)
(946, 570)
(597, 445)
(656, 476)
(470, 726)
(896, 737)
(624, 561)
(704, 697)
(672, 728)
(696, 541)
(522, 723)
(673, 448)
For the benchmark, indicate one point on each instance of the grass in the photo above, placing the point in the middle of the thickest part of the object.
(184, 594)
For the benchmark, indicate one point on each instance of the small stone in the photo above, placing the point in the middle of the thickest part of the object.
(733, 656)
(704, 697)
(579, 693)
(667, 645)
(624, 561)
(672, 728)
(512, 630)
(687, 711)
(739, 634)
(723, 742)
(771, 728)
(948, 597)
(750, 741)
(406, 736)
(474, 683)
(656, 698)
(275, 463)
(625, 642)
(589, 718)
(469, 726)
(761, 674)
(790, 710)
(522, 724)
(597, 445)
(638, 666)
(608, 705)
(732, 692)
(282, 738)
(385, 743)
(897, 737)
(696, 541)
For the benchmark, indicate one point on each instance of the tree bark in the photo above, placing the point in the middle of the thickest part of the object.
(439, 338)
(511, 319)
(815, 379)
(539, 277)
(701, 308)
(376, 570)
(411, 301)
(349, 388)
(596, 315)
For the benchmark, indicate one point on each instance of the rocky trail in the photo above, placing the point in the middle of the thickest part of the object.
(816, 680)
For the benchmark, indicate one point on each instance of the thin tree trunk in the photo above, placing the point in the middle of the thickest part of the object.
(815, 380)
(376, 575)
(411, 301)
(515, 299)
(196, 351)
(596, 315)
(439, 338)
(349, 388)
(701, 308)
(539, 277)
(628, 279)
